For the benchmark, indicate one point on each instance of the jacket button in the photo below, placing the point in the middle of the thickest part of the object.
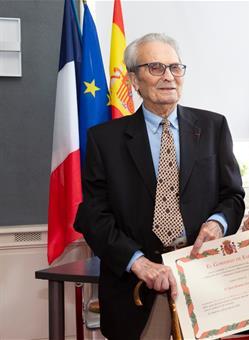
(157, 252)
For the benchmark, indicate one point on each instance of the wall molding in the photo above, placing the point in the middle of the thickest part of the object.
(27, 236)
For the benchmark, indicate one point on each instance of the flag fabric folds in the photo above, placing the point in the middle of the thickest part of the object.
(120, 87)
(94, 97)
(81, 102)
(65, 180)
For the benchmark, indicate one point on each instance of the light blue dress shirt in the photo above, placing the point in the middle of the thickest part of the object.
(154, 130)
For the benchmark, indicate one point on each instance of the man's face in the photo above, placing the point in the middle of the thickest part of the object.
(158, 92)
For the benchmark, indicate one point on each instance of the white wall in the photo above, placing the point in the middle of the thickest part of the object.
(213, 38)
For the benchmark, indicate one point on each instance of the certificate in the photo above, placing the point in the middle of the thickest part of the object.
(213, 288)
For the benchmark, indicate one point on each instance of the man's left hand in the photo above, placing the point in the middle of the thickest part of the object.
(210, 230)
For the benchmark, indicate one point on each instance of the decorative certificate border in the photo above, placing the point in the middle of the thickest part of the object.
(226, 248)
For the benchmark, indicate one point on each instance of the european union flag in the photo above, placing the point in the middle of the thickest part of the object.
(94, 102)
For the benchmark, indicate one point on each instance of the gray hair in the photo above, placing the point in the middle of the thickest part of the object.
(131, 51)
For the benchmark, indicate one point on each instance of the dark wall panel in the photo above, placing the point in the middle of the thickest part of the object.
(27, 113)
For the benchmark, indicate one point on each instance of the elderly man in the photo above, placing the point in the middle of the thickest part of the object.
(162, 178)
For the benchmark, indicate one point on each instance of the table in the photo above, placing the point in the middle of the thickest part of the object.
(82, 271)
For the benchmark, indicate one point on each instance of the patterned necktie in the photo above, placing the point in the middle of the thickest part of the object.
(167, 222)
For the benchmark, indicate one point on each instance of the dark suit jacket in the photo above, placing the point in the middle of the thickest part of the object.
(119, 192)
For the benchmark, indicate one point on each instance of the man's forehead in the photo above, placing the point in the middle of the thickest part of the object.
(156, 49)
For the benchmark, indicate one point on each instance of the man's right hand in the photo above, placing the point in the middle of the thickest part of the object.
(156, 276)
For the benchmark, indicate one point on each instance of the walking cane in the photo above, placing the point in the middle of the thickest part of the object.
(175, 325)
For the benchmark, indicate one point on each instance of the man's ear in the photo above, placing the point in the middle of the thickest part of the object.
(133, 80)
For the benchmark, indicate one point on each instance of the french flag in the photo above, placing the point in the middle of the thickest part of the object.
(65, 180)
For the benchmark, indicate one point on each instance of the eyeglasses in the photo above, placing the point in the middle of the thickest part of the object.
(158, 69)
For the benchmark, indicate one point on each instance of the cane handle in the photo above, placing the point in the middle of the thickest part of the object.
(136, 294)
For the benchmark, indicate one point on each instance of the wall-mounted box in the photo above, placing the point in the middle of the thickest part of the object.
(10, 47)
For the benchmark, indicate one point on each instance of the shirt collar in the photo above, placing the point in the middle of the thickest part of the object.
(153, 121)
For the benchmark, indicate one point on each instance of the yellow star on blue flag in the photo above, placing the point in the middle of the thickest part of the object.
(91, 87)
(109, 99)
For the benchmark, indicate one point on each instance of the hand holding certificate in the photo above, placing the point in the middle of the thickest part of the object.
(213, 287)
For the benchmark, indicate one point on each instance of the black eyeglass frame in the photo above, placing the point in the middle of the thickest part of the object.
(165, 66)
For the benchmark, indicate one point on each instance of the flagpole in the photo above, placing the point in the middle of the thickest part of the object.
(91, 56)
(81, 12)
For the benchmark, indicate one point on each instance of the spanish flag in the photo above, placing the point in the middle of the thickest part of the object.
(120, 88)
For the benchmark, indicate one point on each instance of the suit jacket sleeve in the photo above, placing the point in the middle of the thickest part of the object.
(95, 218)
(231, 192)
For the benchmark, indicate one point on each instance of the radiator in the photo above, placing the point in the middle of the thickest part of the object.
(24, 299)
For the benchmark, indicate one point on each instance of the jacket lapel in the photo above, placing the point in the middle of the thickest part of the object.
(138, 145)
(190, 134)
(139, 148)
